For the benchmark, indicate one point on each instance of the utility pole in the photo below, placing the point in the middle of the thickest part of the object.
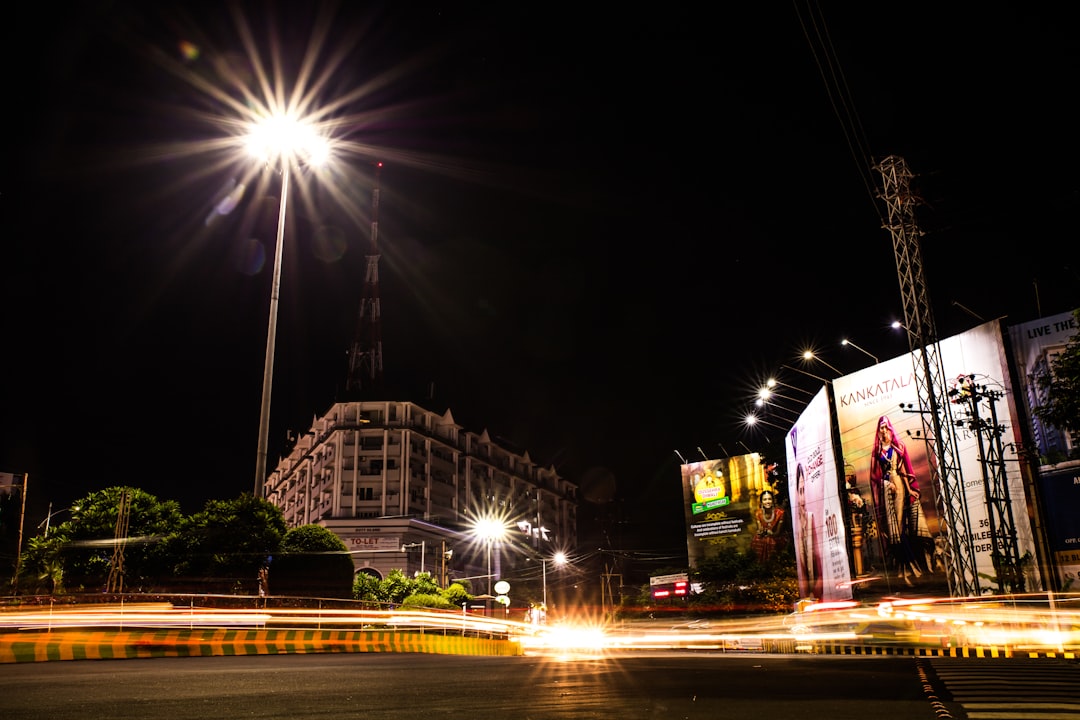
(999, 515)
(606, 595)
(115, 583)
(18, 551)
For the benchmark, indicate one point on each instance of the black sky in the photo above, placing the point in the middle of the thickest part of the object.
(599, 230)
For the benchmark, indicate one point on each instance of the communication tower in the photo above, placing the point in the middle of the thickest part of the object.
(934, 407)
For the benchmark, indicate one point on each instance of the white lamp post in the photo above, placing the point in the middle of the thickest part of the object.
(287, 140)
(423, 549)
(50, 515)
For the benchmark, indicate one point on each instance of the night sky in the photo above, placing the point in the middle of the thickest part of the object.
(600, 231)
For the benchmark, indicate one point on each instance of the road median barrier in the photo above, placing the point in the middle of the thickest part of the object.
(208, 642)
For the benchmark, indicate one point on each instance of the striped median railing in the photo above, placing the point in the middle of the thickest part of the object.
(118, 644)
(990, 651)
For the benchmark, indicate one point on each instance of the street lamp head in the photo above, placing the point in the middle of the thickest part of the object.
(811, 356)
(845, 342)
(489, 528)
(287, 138)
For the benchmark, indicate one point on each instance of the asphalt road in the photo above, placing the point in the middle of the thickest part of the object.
(673, 686)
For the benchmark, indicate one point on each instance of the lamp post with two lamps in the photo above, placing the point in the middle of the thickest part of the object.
(289, 141)
(423, 549)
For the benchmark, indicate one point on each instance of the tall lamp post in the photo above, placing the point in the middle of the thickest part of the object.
(287, 140)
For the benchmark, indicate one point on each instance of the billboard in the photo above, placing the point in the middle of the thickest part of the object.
(1035, 347)
(720, 498)
(884, 447)
(1061, 498)
(817, 512)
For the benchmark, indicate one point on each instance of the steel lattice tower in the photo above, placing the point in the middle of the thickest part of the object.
(1002, 525)
(938, 425)
(365, 372)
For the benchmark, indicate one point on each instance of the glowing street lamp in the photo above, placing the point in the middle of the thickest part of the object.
(808, 374)
(767, 397)
(773, 382)
(809, 355)
(489, 529)
(750, 419)
(287, 140)
(559, 559)
(873, 357)
(50, 515)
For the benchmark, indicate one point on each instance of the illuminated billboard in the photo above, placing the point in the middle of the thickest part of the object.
(817, 512)
(883, 443)
(719, 499)
(1036, 345)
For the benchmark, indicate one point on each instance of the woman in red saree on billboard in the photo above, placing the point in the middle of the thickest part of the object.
(901, 524)
(768, 518)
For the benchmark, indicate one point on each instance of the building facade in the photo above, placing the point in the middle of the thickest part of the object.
(407, 488)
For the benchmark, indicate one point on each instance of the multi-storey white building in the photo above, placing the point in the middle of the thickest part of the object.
(408, 488)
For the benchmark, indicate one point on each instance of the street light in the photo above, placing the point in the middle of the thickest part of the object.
(423, 549)
(809, 374)
(489, 529)
(767, 396)
(73, 509)
(809, 355)
(750, 419)
(559, 559)
(288, 140)
(873, 357)
(770, 383)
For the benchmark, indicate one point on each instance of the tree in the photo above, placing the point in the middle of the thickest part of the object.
(42, 568)
(366, 587)
(224, 546)
(89, 544)
(312, 562)
(1061, 407)
(395, 587)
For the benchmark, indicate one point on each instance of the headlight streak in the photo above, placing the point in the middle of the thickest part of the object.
(1016, 623)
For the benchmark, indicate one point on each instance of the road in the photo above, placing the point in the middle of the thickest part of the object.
(670, 685)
